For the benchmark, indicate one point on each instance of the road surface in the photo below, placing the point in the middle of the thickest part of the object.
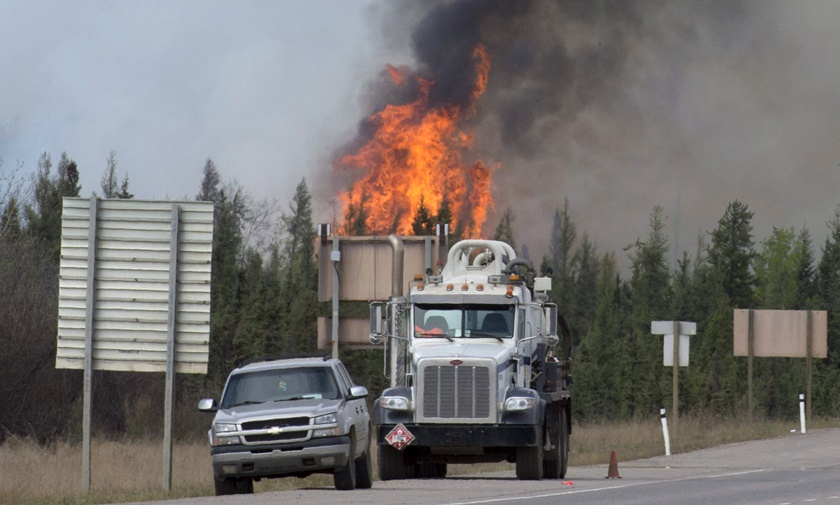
(794, 469)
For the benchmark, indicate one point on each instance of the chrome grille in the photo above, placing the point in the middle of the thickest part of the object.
(266, 424)
(457, 392)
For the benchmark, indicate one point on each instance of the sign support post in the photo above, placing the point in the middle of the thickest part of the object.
(88, 365)
(676, 375)
(169, 395)
(335, 257)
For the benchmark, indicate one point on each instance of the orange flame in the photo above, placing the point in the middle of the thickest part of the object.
(416, 152)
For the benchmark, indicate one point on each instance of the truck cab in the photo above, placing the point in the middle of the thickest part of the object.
(474, 372)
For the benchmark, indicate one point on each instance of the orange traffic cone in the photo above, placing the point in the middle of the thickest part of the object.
(612, 473)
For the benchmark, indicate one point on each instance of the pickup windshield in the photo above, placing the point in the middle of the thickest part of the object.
(281, 384)
(463, 321)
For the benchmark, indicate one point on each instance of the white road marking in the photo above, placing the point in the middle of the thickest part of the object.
(606, 488)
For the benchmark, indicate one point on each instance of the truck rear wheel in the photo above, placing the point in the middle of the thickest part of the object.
(529, 461)
(564, 443)
(394, 464)
(551, 458)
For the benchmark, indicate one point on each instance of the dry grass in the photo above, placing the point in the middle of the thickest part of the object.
(132, 470)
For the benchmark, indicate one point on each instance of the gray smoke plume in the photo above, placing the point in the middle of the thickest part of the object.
(621, 106)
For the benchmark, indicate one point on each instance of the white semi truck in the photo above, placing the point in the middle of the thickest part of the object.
(478, 372)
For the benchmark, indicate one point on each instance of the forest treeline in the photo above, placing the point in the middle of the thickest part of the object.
(264, 302)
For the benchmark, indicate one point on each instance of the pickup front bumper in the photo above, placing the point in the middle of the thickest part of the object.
(277, 460)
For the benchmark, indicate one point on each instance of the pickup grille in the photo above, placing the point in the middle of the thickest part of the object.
(265, 424)
(463, 392)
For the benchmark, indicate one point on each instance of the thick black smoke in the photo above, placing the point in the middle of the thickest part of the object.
(621, 105)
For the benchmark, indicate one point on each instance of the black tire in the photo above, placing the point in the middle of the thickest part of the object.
(364, 472)
(427, 470)
(245, 485)
(225, 487)
(551, 458)
(393, 464)
(344, 477)
(529, 461)
(564, 443)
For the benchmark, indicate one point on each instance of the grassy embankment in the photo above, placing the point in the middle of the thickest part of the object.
(124, 471)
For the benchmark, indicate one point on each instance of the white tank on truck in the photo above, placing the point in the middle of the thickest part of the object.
(478, 362)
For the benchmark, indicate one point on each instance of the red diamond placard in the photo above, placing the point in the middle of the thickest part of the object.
(399, 437)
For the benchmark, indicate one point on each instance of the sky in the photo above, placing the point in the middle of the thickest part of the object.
(617, 107)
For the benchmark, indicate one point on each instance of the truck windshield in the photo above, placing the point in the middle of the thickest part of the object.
(280, 384)
(463, 321)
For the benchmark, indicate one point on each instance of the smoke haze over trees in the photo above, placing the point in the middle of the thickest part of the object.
(264, 301)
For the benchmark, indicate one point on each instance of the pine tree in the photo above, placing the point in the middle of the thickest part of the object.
(504, 231)
(10, 227)
(828, 285)
(731, 254)
(300, 288)
(776, 271)
(355, 219)
(43, 216)
(225, 289)
(651, 301)
(123, 193)
(586, 264)
(210, 190)
(601, 359)
(806, 272)
(109, 178)
(423, 223)
(560, 259)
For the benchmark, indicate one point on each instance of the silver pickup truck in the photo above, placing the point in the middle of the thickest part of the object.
(282, 417)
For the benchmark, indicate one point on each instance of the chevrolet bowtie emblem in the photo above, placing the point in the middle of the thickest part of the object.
(275, 430)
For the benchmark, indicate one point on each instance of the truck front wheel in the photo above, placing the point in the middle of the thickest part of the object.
(529, 461)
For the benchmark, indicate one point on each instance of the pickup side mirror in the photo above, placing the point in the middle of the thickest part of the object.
(208, 405)
(358, 392)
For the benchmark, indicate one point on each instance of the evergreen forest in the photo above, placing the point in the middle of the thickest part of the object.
(264, 302)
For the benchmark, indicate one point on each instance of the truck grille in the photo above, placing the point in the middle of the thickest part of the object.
(463, 392)
(265, 424)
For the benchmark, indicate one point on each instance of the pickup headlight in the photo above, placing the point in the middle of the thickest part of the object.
(395, 403)
(519, 403)
(219, 429)
(326, 419)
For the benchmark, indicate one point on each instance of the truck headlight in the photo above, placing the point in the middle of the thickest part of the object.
(326, 419)
(518, 403)
(218, 439)
(395, 403)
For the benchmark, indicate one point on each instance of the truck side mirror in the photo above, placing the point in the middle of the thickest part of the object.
(376, 323)
(550, 320)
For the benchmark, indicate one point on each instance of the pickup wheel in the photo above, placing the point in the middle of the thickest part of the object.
(364, 472)
(394, 464)
(234, 486)
(344, 477)
(245, 486)
(529, 461)
(225, 487)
